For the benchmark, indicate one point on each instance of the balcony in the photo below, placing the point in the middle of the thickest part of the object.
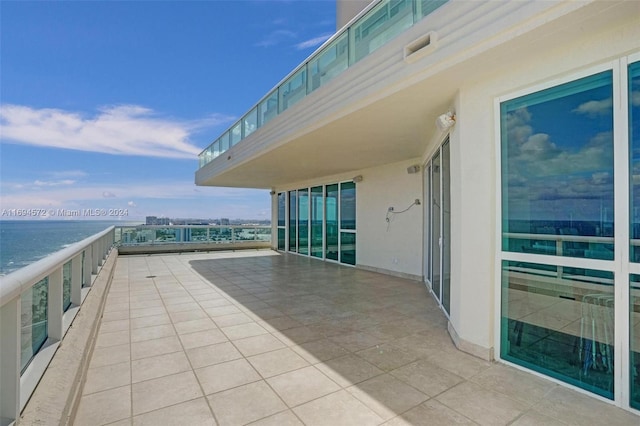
(233, 338)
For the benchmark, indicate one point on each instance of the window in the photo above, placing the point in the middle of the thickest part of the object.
(557, 170)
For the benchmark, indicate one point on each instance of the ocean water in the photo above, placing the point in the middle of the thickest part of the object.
(25, 241)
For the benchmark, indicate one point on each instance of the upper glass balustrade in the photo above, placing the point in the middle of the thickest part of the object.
(371, 31)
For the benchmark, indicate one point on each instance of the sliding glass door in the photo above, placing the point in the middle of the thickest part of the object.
(437, 248)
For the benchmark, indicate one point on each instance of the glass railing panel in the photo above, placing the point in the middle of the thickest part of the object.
(329, 63)
(236, 133)
(371, 31)
(216, 148)
(428, 6)
(197, 234)
(244, 234)
(224, 142)
(560, 325)
(380, 25)
(168, 235)
(293, 90)
(250, 122)
(634, 343)
(33, 321)
(263, 234)
(66, 285)
(221, 235)
(268, 108)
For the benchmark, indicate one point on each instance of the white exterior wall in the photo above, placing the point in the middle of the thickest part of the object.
(476, 213)
(396, 246)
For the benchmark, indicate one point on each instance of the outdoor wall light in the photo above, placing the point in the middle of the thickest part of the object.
(357, 179)
(272, 192)
(446, 121)
(413, 169)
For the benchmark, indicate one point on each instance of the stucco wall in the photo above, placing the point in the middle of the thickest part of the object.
(395, 245)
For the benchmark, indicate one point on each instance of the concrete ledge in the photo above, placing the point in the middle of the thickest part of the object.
(57, 396)
(390, 272)
(468, 347)
(191, 247)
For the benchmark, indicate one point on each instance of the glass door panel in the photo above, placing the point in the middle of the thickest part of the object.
(435, 225)
(303, 221)
(446, 228)
(331, 231)
(292, 221)
(317, 210)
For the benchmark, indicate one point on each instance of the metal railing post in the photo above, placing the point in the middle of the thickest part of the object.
(86, 280)
(76, 280)
(10, 361)
(55, 311)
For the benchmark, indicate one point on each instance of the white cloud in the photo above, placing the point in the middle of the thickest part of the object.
(316, 41)
(593, 108)
(635, 98)
(131, 204)
(54, 182)
(107, 194)
(275, 37)
(118, 130)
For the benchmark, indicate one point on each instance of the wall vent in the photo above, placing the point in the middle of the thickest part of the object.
(421, 47)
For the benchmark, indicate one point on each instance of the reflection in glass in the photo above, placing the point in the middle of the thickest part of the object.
(559, 326)
(33, 321)
(435, 225)
(446, 228)
(634, 155)
(66, 286)
(250, 122)
(281, 239)
(634, 343)
(281, 209)
(347, 205)
(348, 248)
(332, 61)
(294, 89)
(292, 222)
(303, 221)
(557, 170)
(268, 108)
(428, 6)
(236, 133)
(317, 208)
(331, 217)
(224, 142)
(380, 25)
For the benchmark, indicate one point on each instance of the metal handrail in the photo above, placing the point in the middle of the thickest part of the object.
(17, 282)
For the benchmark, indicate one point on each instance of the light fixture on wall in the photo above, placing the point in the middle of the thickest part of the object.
(273, 192)
(446, 121)
(357, 179)
(413, 169)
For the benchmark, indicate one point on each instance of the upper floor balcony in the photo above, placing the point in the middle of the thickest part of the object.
(371, 94)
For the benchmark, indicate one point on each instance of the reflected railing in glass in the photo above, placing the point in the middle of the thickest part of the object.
(560, 326)
(33, 321)
(375, 28)
(567, 245)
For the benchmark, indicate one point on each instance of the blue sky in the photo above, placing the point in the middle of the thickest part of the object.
(105, 105)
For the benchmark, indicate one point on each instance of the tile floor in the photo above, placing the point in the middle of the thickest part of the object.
(263, 338)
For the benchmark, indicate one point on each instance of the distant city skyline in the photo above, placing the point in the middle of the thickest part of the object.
(105, 105)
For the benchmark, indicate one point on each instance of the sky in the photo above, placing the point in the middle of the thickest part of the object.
(105, 105)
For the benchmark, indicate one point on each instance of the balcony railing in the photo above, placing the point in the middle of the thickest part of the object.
(145, 235)
(372, 29)
(37, 305)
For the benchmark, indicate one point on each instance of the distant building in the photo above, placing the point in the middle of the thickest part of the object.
(153, 220)
(471, 146)
(224, 221)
